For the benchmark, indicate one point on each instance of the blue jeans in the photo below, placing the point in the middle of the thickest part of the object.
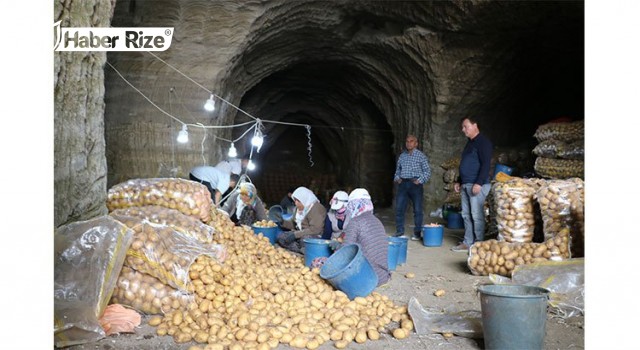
(473, 213)
(407, 190)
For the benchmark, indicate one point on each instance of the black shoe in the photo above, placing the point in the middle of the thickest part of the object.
(398, 234)
(416, 238)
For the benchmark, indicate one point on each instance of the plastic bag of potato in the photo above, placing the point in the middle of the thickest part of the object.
(514, 208)
(186, 224)
(188, 197)
(147, 294)
(555, 199)
(165, 252)
(88, 256)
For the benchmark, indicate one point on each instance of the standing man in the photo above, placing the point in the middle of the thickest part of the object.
(474, 176)
(412, 172)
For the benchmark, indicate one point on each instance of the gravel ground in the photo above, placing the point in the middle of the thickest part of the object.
(435, 268)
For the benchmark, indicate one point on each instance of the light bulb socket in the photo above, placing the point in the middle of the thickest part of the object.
(210, 105)
(183, 135)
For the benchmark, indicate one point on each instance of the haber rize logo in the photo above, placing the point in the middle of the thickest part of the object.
(111, 39)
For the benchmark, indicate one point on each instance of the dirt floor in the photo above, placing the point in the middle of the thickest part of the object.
(434, 268)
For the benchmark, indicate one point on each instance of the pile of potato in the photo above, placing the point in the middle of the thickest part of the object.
(559, 168)
(562, 207)
(178, 221)
(188, 197)
(147, 294)
(502, 257)
(560, 131)
(514, 208)
(163, 252)
(262, 296)
(264, 223)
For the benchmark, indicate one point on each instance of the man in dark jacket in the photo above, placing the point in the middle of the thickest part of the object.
(474, 177)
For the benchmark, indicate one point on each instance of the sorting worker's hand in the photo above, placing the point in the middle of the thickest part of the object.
(334, 245)
(286, 238)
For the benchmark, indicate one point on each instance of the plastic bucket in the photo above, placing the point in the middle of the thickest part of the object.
(315, 248)
(502, 168)
(432, 235)
(513, 316)
(348, 270)
(454, 220)
(269, 232)
(393, 252)
(402, 252)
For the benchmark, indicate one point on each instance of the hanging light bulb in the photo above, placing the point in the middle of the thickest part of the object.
(250, 165)
(232, 151)
(183, 135)
(210, 105)
(257, 140)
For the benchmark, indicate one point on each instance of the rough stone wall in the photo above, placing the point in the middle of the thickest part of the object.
(79, 147)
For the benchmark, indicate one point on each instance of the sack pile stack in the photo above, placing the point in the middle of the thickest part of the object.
(560, 150)
(451, 172)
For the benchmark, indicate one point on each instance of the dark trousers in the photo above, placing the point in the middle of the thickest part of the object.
(408, 191)
(212, 192)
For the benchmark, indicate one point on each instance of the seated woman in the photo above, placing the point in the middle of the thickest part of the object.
(244, 206)
(307, 221)
(363, 228)
(334, 221)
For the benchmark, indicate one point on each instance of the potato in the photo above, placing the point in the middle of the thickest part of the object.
(400, 333)
(410, 275)
(439, 292)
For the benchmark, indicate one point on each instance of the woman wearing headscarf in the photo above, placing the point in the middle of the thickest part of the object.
(307, 221)
(363, 228)
(244, 206)
(334, 222)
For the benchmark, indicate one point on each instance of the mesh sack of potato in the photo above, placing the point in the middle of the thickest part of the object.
(567, 132)
(555, 199)
(147, 294)
(188, 197)
(514, 209)
(164, 252)
(88, 256)
(549, 148)
(573, 150)
(501, 258)
(186, 224)
(451, 163)
(450, 175)
(559, 168)
(454, 198)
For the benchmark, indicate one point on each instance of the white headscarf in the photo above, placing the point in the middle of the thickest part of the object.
(359, 203)
(308, 199)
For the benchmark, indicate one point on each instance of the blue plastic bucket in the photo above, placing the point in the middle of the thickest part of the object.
(392, 255)
(513, 316)
(502, 168)
(269, 232)
(315, 248)
(349, 271)
(454, 220)
(432, 235)
(402, 252)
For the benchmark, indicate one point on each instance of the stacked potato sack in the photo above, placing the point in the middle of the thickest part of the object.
(560, 150)
(188, 197)
(450, 176)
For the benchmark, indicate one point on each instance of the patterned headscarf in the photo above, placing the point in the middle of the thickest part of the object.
(359, 203)
(250, 190)
(308, 199)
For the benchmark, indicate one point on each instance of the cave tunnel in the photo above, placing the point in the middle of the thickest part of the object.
(362, 74)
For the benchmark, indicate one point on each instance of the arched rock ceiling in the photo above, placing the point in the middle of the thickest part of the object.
(394, 67)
